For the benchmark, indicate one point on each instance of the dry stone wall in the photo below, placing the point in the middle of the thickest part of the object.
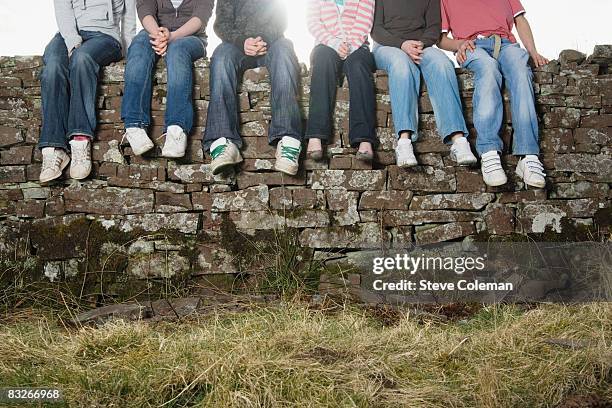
(149, 216)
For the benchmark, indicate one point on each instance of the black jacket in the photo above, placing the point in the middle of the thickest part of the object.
(238, 20)
(396, 21)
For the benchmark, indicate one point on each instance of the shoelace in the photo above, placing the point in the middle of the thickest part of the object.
(218, 151)
(80, 154)
(50, 163)
(535, 166)
(492, 164)
(290, 153)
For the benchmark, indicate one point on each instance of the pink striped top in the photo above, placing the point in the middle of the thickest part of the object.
(332, 28)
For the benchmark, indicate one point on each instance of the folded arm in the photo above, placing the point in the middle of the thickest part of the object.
(363, 25)
(128, 23)
(379, 33)
(433, 22)
(316, 27)
(66, 22)
(524, 31)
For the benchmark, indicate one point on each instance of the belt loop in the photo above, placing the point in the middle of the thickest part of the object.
(497, 47)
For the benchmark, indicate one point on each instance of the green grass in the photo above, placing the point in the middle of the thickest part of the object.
(288, 355)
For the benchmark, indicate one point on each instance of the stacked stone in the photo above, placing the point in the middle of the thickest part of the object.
(340, 203)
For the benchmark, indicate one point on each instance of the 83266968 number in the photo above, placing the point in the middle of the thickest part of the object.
(25, 394)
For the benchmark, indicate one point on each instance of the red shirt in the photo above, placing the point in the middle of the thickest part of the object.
(467, 19)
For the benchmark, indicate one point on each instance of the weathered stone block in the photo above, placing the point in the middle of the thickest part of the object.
(452, 201)
(166, 202)
(250, 199)
(109, 200)
(446, 232)
(500, 220)
(197, 173)
(10, 136)
(360, 236)
(398, 217)
(355, 180)
(12, 174)
(186, 223)
(423, 179)
(385, 200)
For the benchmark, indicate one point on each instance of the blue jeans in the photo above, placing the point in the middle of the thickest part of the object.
(141, 60)
(69, 86)
(488, 102)
(405, 84)
(326, 69)
(227, 63)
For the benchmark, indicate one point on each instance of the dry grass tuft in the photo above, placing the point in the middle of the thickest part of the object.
(291, 356)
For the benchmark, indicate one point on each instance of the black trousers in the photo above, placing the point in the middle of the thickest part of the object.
(326, 67)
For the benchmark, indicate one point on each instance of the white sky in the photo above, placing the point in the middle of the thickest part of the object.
(28, 25)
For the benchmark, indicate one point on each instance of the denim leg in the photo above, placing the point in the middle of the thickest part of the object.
(518, 76)
(439, 74)
(404, 87)
(137, 94)
(55, 94)
(325, 68)
(487, 100)
(358, 68)
(179, 62)
(222, 120)
(284, 69)
(96, 51)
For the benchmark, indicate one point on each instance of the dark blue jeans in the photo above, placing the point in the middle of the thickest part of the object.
(326, 68)
(227, 64)
(69, 86)
(141, 60)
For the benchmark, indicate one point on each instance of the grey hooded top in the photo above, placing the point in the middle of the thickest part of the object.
(116, 18)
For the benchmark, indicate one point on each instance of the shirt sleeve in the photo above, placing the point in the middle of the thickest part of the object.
(517, 8)
(224, 26)
(379, 33)
(203, 11)
(66, 22)
(128, 24)
(431, 36)
(146, 8)
(445, 20)
(363, 24)
(316, 27)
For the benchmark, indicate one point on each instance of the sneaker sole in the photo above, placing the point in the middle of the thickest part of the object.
(536, 186)
(286, 170)
(407, 165)
(82, 177)
(495, 184)
(59, 174)
(172, 156)
(143, 150)
(223, 166)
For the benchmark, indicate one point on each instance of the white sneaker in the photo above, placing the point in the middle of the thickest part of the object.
(176, 142)
(139, 140)
(54, 162)
(224, 154)
(80, 167)
(404, 153)
(531, 170)
(288, 155)
(461, 152)
(492, 171)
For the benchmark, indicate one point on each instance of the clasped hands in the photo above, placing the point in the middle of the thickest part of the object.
(414, 49)
(160, 40)
(255, 47)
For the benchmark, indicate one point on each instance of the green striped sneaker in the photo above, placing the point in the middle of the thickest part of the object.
(288, 155)
(224, 154)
